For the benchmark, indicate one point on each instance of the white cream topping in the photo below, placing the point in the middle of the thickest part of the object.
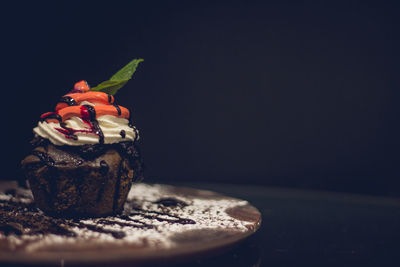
(111, 127)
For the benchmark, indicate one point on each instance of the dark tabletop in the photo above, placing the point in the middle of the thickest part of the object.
(313, 228)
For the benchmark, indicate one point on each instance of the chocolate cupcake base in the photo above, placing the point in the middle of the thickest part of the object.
(85, 181)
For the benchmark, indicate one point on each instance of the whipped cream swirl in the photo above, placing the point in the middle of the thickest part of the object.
(111, 126)
(84, 117)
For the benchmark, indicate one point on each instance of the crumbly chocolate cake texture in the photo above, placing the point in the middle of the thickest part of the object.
(154, 217)
(88, 180)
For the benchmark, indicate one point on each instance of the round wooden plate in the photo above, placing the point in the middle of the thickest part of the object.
(160, 223)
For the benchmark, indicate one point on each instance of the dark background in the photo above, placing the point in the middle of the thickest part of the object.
(301, 94)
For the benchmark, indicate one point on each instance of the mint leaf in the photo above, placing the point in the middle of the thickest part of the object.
(126, 72)
(109, 87)
(119, 79)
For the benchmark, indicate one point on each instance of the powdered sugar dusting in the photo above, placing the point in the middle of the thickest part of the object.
(145, 222)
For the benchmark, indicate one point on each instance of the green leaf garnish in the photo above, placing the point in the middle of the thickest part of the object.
(119, 79)
(109, 87)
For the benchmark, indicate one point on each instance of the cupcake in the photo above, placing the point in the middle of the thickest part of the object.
(85, 154)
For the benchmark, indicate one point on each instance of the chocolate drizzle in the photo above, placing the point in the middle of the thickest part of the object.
(122, 133)
(118, 109)
(88, 115)
(51, 115)
(136, 133)
(67, 132)
(68, 100)
(159, 216)
(136, 224)
(171, 202)
(94, 123)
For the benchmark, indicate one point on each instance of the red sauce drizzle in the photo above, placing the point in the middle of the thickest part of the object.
(88, 115)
